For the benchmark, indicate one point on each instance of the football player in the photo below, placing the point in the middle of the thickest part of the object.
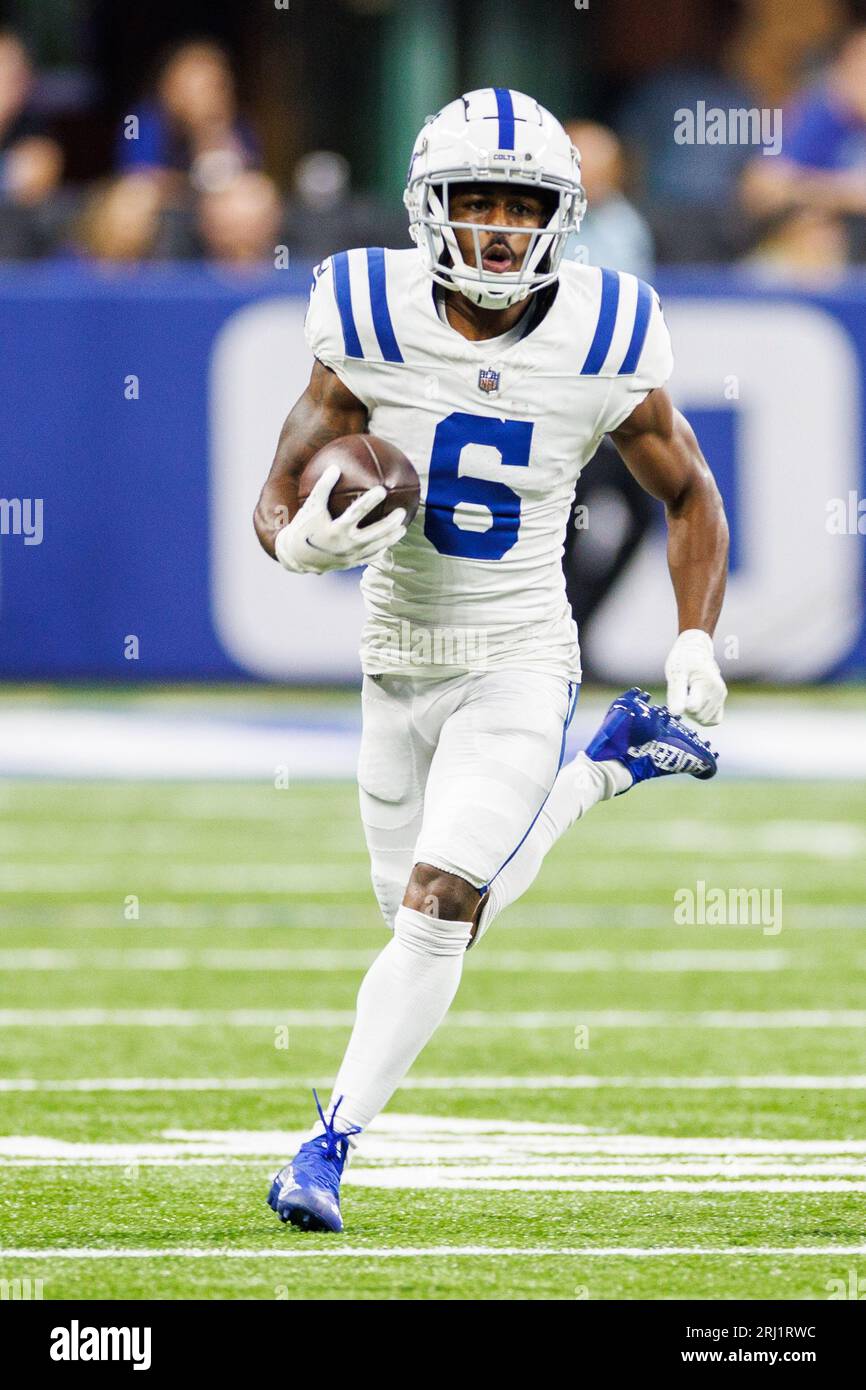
(497, 368)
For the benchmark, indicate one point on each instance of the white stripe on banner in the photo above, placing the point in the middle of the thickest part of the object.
(757, 739)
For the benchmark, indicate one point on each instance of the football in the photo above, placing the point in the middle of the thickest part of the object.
(364, 461)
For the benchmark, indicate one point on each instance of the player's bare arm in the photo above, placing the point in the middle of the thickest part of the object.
(326, 411)
(659, 448)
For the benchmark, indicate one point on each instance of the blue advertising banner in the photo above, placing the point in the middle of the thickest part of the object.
(140, 413)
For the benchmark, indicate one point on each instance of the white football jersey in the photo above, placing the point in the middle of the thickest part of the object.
(498, 432)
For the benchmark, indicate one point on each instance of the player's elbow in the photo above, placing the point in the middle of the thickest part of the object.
(699, 505)
(698, 490)
(263, 525)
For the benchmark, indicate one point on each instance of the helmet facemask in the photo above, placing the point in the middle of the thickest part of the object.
(427, 199)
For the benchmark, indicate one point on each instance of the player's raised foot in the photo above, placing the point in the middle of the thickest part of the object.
(649, 741)
(307, 1191)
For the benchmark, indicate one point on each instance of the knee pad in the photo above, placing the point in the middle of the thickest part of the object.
(389, 895)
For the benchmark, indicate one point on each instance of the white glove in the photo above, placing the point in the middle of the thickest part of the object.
(315, 542)
(695, 684)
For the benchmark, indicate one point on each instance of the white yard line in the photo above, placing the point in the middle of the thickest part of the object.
(579, 1082)
(583, 1082)
(403, 1252)
(820, 839)
(485, 1020)
(415, 1152)
(323, 878)
(339, 961)
(432, 1140)
(425, 1181)
(551, 916)
(429, 1180)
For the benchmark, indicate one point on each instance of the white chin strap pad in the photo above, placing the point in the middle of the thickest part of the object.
(471, 282)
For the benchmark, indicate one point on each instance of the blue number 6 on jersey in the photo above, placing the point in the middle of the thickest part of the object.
(447, 486)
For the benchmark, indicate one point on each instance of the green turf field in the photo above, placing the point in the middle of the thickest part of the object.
(618, 1107)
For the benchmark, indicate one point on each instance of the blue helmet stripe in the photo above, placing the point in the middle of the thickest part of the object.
(379, 304)
(638, 333)
(600, 345)
(505, 109)
(343, 291)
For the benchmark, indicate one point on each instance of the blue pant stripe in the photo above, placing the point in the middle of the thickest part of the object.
(505, 110)
(343, 291)
(573, 692)
(388, 344)
(600, 345)
(638, 333)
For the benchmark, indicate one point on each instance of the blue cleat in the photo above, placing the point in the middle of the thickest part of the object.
(649, 741)
(307, 1191)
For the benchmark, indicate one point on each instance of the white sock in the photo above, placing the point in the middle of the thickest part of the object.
(403, 998)
(579, 786)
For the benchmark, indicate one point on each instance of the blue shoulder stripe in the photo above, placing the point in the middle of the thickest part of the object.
(379, 304)
(505, 111)
(600, 345)
(343, 291)
(638, 333)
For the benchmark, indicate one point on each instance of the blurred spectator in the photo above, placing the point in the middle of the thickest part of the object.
(31, 163)
(687, 174)
(325, 216)
(614, 233)
(823, 159)
(240, 223)
(806, 245)
(776, 42)
(193, 127)
(121, 220)
(690, 190)
(32, 170)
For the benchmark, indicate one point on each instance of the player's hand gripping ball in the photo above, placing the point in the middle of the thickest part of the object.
(357, 496)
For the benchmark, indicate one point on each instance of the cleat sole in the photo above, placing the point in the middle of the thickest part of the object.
(302, 1209)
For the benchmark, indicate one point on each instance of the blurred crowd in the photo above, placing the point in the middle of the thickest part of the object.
(799, 211)
(187, 183)
(188, 180)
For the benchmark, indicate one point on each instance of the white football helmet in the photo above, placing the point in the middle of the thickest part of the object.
(499, 136)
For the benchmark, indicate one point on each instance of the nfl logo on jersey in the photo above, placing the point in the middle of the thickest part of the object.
(488, 379)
